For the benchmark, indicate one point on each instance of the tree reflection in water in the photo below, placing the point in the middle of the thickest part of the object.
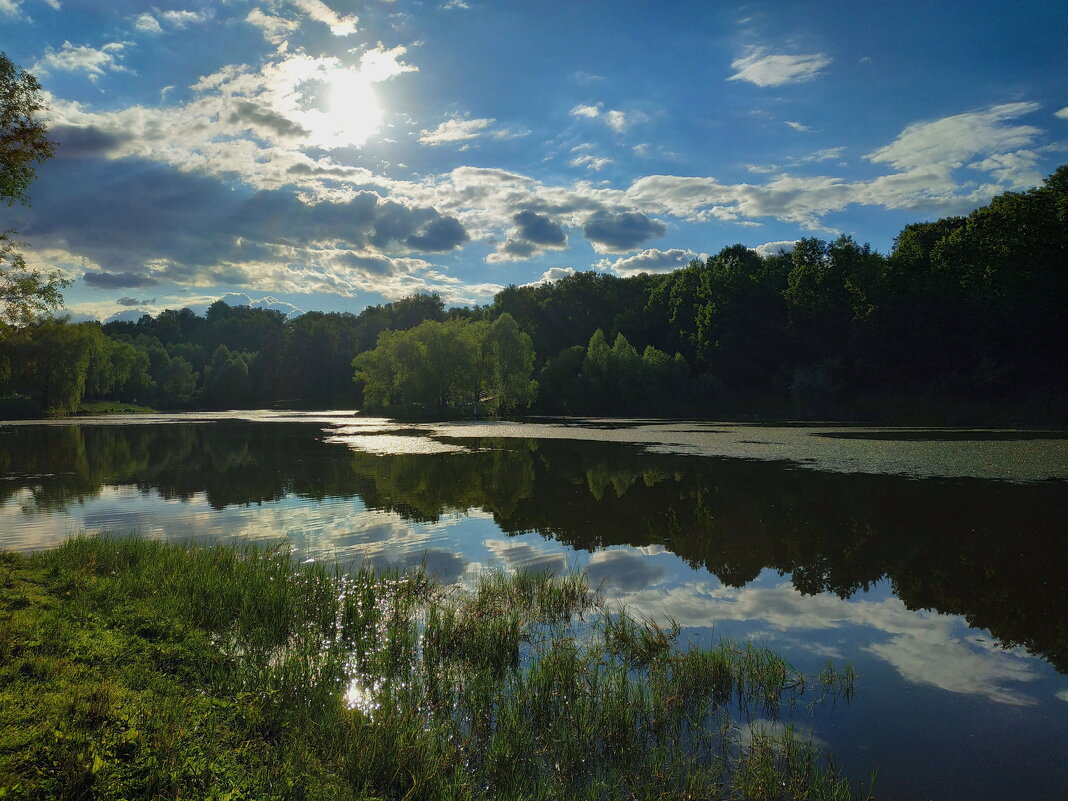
(991, 551)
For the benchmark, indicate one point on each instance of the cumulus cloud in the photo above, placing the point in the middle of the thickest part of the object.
(382, 63)
(155, 224)
(551, 275)
(539, 229)
(775, 248)
(128, 316)
(764, 69)
(320, 12)
(1062, 113)
(533, 233)
(266, 302)
(146, 23)
(175, 20)
(274, 29)
(252, 116)
(613, 118)
(82, 58)
(619, 232)
(1016, 170)
(797, 126)
(181, 19)
(651, 261)
(128, 301)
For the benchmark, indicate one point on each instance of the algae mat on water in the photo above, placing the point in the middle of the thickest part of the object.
(137, 669)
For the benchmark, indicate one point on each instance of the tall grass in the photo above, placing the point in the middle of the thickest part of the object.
(325, 683)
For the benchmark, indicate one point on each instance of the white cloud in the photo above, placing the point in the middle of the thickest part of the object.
(82, 58)
(775, 248)
(593, 112)
(182, 19)
(275, 29)
(321, 12)
(13, 8)
(797, 126)
(555, 274)
(381, 63)
(455, 130)
(455, 4)
(176, 20)
(1063, 694)
(617, 120)
(651, 261)
(777, 69)
(826, 154)
(146, 23)
(266, 302)
(950, 142)
(1062, 113)
(590, 162)
(1016, 170)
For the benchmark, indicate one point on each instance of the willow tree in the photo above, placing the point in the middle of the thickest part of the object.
(456, 364)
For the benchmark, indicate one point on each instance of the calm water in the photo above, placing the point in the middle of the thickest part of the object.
(934, 560)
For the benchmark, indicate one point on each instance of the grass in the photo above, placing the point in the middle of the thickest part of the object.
(137, 669)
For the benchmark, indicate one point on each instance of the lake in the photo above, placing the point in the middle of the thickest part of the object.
(932, 560)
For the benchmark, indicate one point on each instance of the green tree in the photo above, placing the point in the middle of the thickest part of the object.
(24, 293)
(508, 356)
(453, 364)
(226, 378)
(177, 381)
(24, 144)
(23, 137)
(50, 363)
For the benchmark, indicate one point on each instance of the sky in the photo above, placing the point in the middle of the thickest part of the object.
(332, 154)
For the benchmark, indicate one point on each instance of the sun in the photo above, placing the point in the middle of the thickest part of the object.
(347, 111)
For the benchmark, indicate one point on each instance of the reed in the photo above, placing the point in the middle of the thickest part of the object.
(133, 668)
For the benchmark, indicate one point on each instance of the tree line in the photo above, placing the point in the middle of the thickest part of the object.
(965, 315)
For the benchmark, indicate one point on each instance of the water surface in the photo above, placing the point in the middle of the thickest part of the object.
(933, 560)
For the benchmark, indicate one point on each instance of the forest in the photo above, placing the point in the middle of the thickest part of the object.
(964, 320)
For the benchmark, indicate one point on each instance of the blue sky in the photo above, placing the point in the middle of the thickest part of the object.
(330, 154)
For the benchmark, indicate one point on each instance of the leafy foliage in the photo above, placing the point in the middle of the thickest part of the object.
(455, 364)
(23, 137)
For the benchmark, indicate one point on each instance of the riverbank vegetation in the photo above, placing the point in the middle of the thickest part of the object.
(963, 320)
(136, 669)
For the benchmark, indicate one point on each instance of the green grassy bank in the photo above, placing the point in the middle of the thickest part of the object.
(132, 669)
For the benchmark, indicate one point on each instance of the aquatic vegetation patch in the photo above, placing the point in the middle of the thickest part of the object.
(138, 669)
